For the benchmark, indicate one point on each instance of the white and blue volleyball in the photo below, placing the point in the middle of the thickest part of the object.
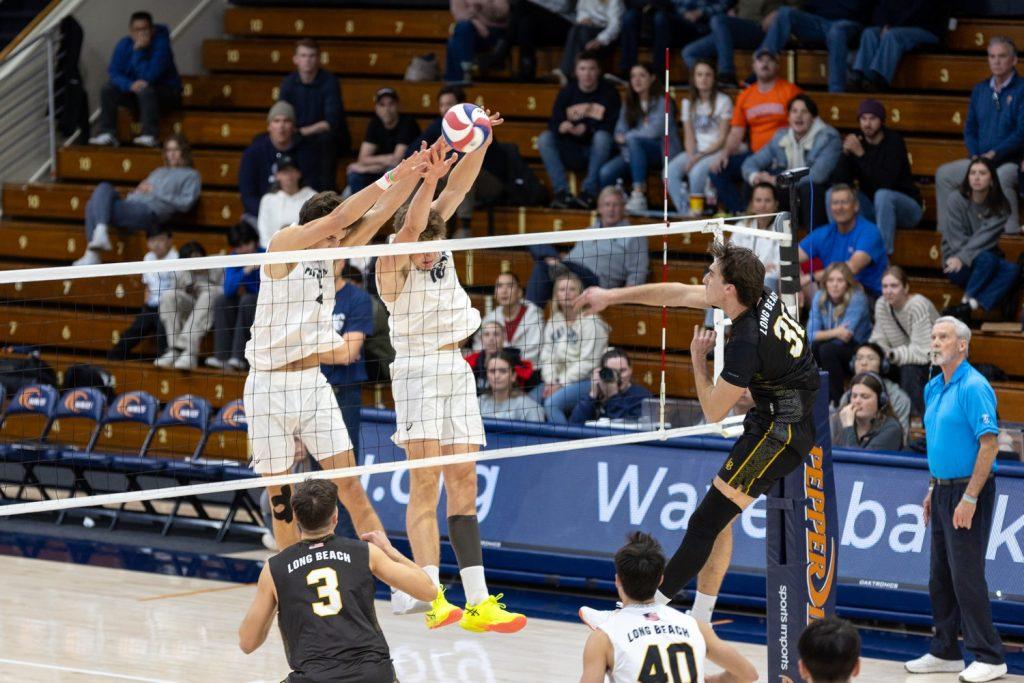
(465, 127)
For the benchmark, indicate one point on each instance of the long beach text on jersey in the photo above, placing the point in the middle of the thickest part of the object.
(766, 312)
(318, 556)
(657, 630)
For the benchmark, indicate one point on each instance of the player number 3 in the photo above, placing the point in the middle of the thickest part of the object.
(788, 330)
(326, 581)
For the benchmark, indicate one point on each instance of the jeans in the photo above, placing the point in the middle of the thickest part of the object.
(726, 184)
(150, 103)
(463, 45)
(698, 180)
(358, 181)
(835, 34)
(670, 29)
(956, 581)
(987, 279)
(878, 55)
(350, 399)
(889, 210)
(949, 176)
(559, 405)
(232, 324)
(145, 325)
(834, 357)
(640, 155)
(540, 284)
(727, 34)
(106, 206)
(559, 151)
(913, 379)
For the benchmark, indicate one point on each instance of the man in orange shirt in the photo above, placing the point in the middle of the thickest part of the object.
(761, 107)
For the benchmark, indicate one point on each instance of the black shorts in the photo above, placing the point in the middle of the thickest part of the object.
(766, 452)
(365, 672)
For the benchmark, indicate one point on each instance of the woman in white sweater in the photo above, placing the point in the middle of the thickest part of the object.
(279, 208)
(573, 345)
(903, 328)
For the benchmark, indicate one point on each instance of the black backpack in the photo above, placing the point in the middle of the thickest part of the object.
(522, 187)
(17, 371)
(84, 375)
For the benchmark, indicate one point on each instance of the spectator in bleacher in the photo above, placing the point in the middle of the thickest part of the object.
(492, 338)
(234, 309)
(868, 421)
(705, 116)
(387, 137)
(870, 357)
(594, 31)
(186, 311)
(763, 200)
(763, 108)
(573, 345)
(147, 324)
(256, 170)
(319, 113)
(279, 207)
(975, 217)
(640, 133)
(898, 26)
(536, 22)
(840, 321)
(479, 25)
(849, 238)
(674, 23)
(143, 77)
(808, 141)
(994, 129)
(832, 23)
(521, 321)
(172, 188)
(876, 160)
(620, 262)
(579, 133)
(612, 392)
(743, 27)
(903, 328)
(344, 367)
(503, 399)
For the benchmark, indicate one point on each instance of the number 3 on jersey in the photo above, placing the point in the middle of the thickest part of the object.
(789, 331)
(326, 581)
(653, 668)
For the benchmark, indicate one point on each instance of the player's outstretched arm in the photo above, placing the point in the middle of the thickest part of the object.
(464, 174)
(674, 294)
(407, 175)
(737, 668)
(256, 625)
(597, 657)
(397, 570)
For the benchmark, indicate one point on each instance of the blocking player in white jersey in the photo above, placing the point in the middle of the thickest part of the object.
(645, 641)
(286, 395)
(435, 399)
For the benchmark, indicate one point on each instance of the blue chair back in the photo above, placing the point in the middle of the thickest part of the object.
(38, 399)
(230, 418)
(88, 403)
(133, 406)
(186, 411)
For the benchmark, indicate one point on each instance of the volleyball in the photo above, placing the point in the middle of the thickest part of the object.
(465, 127)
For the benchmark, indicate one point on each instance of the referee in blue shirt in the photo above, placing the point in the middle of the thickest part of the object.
(960, 425)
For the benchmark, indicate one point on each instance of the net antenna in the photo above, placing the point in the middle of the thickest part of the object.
(664, 242)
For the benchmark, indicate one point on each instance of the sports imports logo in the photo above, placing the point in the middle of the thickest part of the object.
(821, 549)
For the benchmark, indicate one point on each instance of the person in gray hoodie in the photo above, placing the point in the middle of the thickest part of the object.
(170, 189)
(808, 141)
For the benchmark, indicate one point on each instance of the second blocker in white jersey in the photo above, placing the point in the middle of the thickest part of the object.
(432, 310)
(655, 643)
(294, 316)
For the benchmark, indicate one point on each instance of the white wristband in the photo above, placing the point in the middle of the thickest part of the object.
(386, 180)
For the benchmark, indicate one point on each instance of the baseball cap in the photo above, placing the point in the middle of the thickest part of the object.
(284, 161)
(761, 52)
(281, 108)
(385, 92)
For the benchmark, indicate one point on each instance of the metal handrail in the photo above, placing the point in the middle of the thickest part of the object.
(20, 84)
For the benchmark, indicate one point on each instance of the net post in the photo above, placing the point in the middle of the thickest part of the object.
(720, 321)
(801, 548)
(789, 268)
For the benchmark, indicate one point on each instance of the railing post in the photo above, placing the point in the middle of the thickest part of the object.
(51, 100)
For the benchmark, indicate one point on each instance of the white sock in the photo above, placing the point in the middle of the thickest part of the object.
(973, 303)
(661, 598)
(474, 584)
(703, 607)
(434, 573)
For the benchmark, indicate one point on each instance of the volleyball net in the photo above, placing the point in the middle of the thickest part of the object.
(126, 383)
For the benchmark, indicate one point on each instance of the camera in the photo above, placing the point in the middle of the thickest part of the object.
(791, 177)
(608, 375)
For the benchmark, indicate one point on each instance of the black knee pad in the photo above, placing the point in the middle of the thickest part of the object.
(713, 514)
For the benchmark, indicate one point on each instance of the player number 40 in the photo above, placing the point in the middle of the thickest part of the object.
(326, 581)
(653, 670)
(789, 331)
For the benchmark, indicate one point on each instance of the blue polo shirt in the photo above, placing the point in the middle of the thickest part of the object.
(353, 312)
(955, 416)
(830, 245)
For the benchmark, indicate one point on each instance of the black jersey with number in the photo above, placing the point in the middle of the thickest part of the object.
(325, 594)
(769, 352)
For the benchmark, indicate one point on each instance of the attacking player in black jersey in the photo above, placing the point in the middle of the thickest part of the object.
(767, 353)
(322, 590)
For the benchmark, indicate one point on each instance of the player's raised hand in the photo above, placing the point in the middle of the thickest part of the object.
(495, 117)
(593, 299)
(377, 538)
(703, 343)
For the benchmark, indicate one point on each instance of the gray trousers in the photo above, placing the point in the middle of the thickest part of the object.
(232, 322)
(949, 176)
(187, 317)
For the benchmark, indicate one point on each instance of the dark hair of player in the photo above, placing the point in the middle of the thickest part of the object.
(830, 648)
(318, 206)
(740, 268)
(640, 565)
(436, 228)
(313, 503)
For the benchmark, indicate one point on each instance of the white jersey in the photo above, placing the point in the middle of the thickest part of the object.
(432, 310)
(655, 642)
(294, 317)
